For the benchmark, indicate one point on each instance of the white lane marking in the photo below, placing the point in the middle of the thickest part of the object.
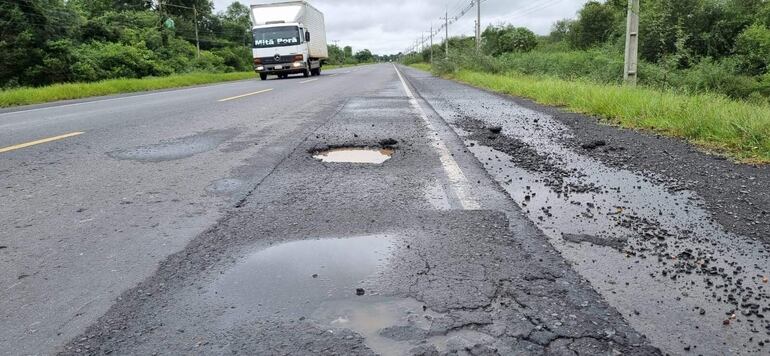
(458, 181)
(164, 91)
(308, 81)
(244, 95)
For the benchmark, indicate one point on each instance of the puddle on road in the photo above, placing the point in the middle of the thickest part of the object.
(293, 279)
(176, 149)
(396, 326)
(355, 155)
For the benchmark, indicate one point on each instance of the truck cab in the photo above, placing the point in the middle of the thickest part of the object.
(289, 38)
(282, 49)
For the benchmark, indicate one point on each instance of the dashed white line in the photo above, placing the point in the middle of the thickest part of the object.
(458, 181)
(308, 81)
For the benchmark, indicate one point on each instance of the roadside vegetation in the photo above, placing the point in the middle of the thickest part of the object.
(66, 44)
(55, 92)
(703, 74)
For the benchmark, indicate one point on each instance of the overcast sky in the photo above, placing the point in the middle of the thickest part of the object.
(390, 26)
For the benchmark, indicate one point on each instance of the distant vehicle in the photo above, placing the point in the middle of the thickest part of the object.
(289, 38)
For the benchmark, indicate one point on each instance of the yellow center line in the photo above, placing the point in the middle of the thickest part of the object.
(245, 95)
(308, 81)
(38, 142)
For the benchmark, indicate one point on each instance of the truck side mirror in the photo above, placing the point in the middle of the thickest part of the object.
(307, 36)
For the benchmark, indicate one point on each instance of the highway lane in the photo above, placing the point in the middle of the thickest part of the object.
(196, 221)
(421, 254)
(80, 226)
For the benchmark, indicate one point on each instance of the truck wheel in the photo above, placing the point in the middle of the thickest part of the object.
(263, 76)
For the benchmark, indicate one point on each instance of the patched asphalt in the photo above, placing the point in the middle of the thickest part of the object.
(191, 226)
(439, 279)
(671, 236)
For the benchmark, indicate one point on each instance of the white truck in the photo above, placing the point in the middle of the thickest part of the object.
(289, 38)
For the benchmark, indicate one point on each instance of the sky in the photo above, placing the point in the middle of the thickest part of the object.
(391, 26)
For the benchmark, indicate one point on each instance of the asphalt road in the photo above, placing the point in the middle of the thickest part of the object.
(197, 221)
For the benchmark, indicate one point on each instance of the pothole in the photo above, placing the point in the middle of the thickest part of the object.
(175, 149)
(294, 278)
(396, 326)
(355, 155)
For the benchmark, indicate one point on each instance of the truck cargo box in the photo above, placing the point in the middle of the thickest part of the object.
(300, 12)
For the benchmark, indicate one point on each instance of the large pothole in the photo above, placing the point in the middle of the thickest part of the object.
(294, 278)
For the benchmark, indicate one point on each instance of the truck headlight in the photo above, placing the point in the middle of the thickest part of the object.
(260, 68)
(297, 64)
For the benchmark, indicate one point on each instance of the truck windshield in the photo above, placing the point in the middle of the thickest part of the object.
(276, 36)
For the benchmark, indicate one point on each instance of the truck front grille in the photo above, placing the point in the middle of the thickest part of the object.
(271, 60)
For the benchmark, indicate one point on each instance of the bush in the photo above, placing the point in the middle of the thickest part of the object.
(443, 66)
(504, 39)
(753, 49)
(99, 60)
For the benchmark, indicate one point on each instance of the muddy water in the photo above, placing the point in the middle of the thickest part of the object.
(652, 251)
(293, 279)
(355, 155)
(400, 326)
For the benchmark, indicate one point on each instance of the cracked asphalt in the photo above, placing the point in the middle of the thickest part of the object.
(190, 227)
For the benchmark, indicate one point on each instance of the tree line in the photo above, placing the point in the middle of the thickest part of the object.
(54, 41)
(718, 46)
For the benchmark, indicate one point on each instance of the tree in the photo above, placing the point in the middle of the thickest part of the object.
(98, 7)
(505, 39)
(336, 55)
(364, 56)
(348, 52)
(560, 30)
(236, 23)
(594, 25)
(753, 49)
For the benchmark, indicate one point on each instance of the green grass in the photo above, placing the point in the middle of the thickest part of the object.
(714, 122)
(26, 96)
(421, 66)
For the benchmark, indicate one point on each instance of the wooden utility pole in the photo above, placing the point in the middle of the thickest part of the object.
(431, 43)
(446, 38)
(478, 25)
(197, 38)
(630, 76)
(195, 15)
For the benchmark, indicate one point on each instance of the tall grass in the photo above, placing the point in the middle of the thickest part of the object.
(26, 96)
(738, 128)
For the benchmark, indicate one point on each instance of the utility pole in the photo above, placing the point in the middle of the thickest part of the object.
(431, 43)
(446, 38)
(478, 25)
(197, 38)
(632, 43)
(195, 14)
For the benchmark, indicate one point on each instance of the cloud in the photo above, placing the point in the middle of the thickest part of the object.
(390, 26)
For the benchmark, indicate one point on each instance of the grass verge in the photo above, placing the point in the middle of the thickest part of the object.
(736, 128)
(26, 96)
(422, 66)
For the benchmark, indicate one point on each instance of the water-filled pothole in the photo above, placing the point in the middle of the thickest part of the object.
(294, 278)
(355, 155)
